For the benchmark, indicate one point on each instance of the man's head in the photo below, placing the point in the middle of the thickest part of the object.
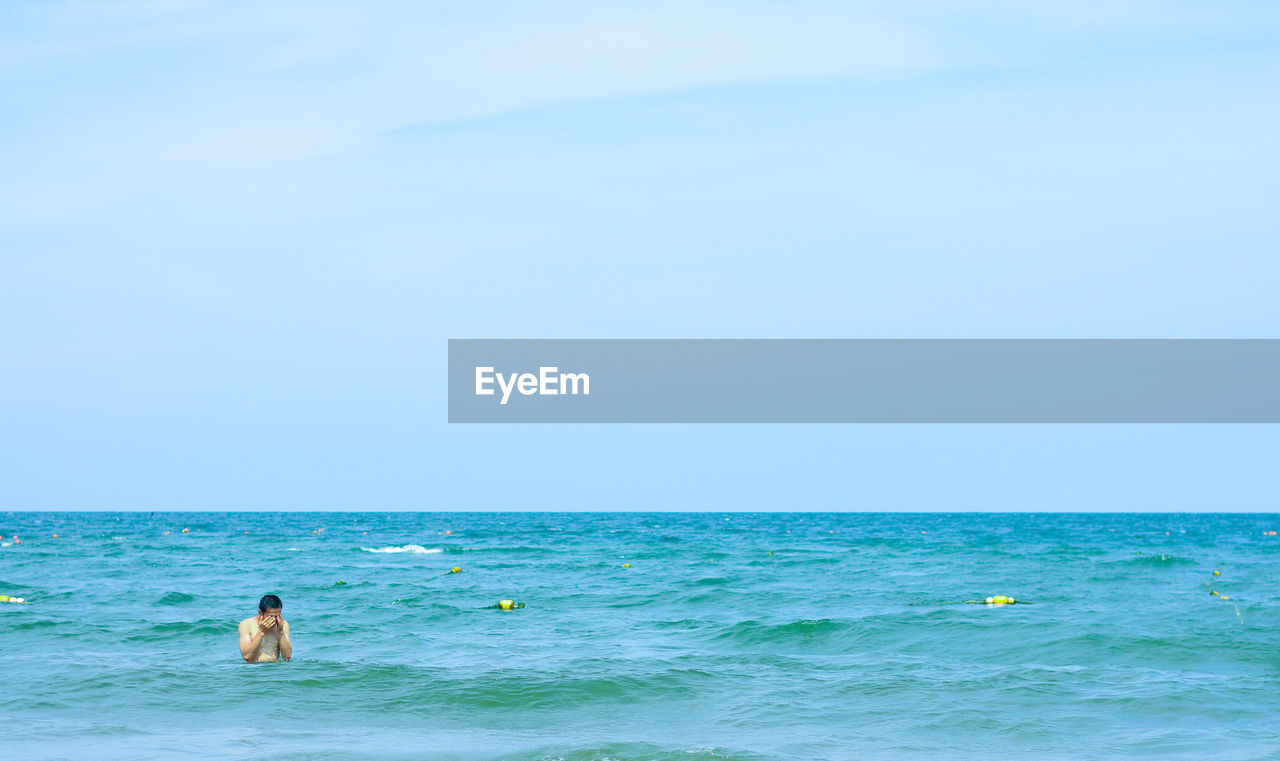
(269, 603)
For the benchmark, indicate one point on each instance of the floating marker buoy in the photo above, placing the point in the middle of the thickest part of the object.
(340, 584)
(1223, 597)
(506, 604)
(448, 532)
(626, 565)
(1214, 593)
(1216, 573)
(4, 598)
(455, 569)
(186, 531)
(167, 533)
(55, 536)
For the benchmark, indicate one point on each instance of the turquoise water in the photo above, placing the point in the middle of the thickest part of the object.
(846, 642)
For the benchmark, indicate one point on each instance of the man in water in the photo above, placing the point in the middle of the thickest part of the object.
(265, 637)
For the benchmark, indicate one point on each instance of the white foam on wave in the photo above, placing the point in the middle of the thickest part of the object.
(412, 549)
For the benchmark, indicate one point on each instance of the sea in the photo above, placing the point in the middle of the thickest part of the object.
(664, 636)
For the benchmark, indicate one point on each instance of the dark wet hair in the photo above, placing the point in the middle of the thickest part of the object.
(268, 602)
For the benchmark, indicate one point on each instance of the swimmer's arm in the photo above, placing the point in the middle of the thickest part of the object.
(249, 642)
(286, 647)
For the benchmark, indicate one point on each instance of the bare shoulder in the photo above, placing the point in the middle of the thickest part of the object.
(247, 624)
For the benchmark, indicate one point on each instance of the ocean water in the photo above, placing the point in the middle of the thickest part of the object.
(730, 636)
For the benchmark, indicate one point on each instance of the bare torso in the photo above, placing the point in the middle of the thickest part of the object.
(268, 649)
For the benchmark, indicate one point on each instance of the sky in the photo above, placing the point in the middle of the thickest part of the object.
(235, 238)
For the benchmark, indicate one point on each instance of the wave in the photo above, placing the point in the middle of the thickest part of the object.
(1155, 561)
(431, 690)
(181, 629)
(411, 549)
(16, 589)
(32, 625)
(500, 549)
(820, 631)
(625, 751)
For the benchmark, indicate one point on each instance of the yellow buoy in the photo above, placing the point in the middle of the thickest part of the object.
(1224, 597)
(455, 569)
(506, 604)
(1216, 573)
(626, 565)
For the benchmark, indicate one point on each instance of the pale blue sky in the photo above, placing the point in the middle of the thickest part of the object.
(235, 239)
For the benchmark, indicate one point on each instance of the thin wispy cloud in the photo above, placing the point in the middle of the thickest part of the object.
(151, 92)
(252, 79)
